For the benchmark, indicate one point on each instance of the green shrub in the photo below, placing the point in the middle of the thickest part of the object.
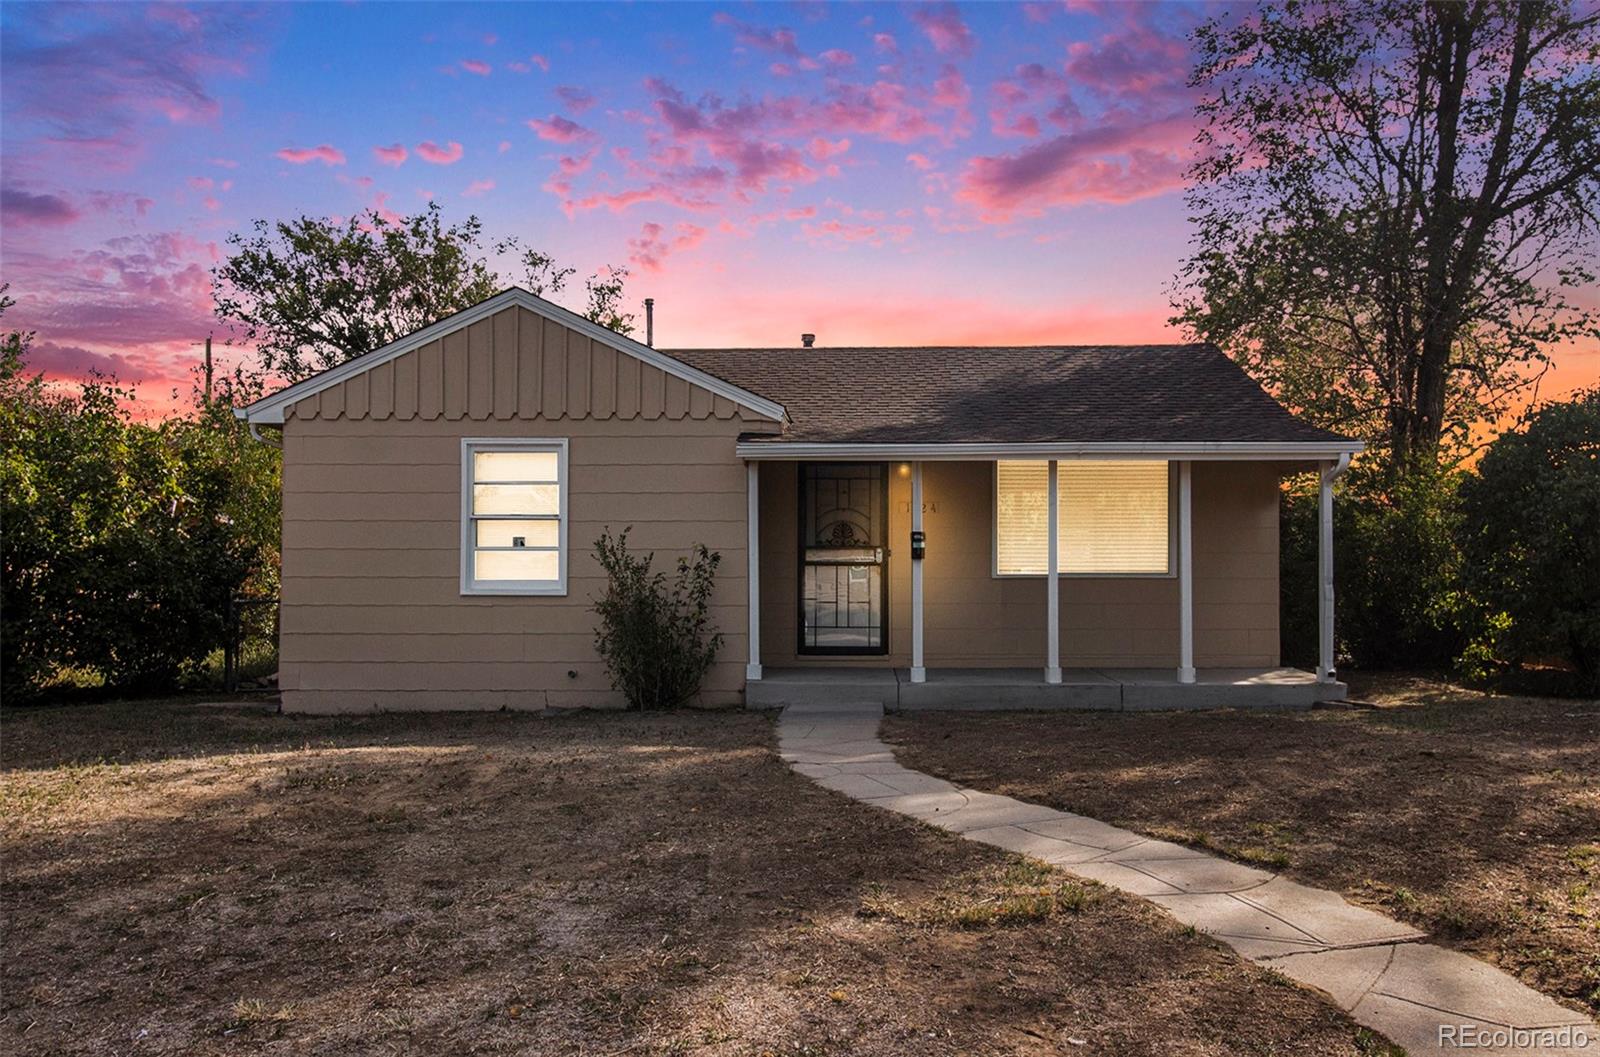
(655, 635)
(1532, 539)
(1396, 563)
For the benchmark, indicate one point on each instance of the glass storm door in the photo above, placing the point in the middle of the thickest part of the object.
(844, 522)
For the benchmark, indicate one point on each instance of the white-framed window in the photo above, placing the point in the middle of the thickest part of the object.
(1113, 518)
(513, 516)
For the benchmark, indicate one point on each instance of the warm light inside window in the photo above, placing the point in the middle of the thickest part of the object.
(1113, 518)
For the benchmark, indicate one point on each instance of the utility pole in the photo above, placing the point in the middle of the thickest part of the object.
(208, 370)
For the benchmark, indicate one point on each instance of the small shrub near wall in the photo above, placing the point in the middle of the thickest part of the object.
(654, 632)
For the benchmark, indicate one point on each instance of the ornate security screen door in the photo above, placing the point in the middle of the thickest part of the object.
(844, 522)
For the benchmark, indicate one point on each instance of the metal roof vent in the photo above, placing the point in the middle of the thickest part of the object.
(808, 340)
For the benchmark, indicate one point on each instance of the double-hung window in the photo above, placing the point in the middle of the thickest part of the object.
(1112, 518)
(514, 517)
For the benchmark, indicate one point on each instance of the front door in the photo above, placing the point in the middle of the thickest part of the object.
(844, 528)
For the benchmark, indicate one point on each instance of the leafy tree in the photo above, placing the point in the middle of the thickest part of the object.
(310, 293)
(123, 540)
(1391, 202)
(1532, 537)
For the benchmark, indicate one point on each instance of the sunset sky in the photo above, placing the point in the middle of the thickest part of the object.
(875, 173)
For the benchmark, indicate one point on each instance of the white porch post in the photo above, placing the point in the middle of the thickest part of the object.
(1052, 664)
(752, 671)
(1325, 671)
(919, 672)
(1185, 571)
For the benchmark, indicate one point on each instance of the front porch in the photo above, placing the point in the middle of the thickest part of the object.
(887, 581)
(1105, 689)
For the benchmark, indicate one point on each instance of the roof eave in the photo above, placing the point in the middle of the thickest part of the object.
(1216, 450)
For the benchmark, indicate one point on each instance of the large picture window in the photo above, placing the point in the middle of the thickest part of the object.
(1112, 518)
(514, 517)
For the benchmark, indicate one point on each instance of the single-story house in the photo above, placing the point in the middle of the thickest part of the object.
(1046, 526)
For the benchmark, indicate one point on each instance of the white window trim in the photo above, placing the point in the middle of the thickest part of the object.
(994, 533)
(529, 588)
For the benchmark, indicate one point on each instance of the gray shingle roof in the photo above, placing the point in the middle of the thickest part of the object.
(1009, 395)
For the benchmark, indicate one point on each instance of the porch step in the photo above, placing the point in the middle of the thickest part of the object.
(1113, 689)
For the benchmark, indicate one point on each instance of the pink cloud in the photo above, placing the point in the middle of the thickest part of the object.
(921, 161)
(577, 99)
(781, 69)
(950, 90)
(800, 213)
(478, 188)
(540, 61)
(781, 40)
(201, 183)
(942, 24)
(652, 246)
(47, 210)
(621, 201)
(304, 155)
(1141, 63)
(1113, 163)
(884, 42)
(1037, 13)
(91, 83)
(558, 129)
(477, 66)
(836, 231)
(430, 151)
(394, 154)
(1032, 85)
(576, 166)
(74, 362)
(823, 149)
(837, 58)
(223, 163)
(129, 306)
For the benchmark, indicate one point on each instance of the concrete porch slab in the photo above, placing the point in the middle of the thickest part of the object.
(816, 692)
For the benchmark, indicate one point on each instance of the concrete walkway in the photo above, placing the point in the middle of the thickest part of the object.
(1423, 997)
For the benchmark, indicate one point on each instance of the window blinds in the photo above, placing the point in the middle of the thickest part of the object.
(1113, 518)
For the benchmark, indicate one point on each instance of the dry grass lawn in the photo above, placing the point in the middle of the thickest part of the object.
(188, 881)
(1472, 816)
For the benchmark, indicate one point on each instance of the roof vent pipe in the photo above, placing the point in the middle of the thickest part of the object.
(808, 340)
(650, 322)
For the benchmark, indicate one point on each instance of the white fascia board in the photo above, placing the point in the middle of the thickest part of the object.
(1197, 450)
(269, 409)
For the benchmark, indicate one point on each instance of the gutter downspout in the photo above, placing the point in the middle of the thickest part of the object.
(255, 430)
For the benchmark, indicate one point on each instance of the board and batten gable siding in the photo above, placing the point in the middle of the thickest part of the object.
(372, 614)
(973, 619)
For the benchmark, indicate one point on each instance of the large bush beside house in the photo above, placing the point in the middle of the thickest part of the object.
(123, 540)
(1531, 535)
(1397, 567)
(654, 633)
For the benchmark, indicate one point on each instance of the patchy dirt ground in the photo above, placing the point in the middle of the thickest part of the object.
(185, 881)
(1474, 817)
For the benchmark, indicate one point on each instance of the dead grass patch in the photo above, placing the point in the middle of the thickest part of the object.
(185, 881)
(1472, 816)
